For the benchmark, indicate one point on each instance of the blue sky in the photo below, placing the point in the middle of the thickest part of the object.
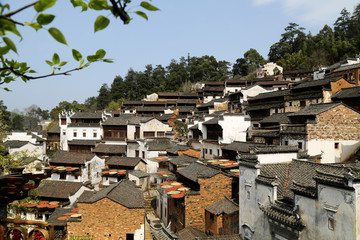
(223, 29)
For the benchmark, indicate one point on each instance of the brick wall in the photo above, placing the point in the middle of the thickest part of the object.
(338, 123)
(212, 224)
(211, 190)
(106, 219)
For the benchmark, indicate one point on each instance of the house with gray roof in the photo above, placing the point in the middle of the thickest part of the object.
(80, 131)
(76, 167)
(297, 200)
(116, 211)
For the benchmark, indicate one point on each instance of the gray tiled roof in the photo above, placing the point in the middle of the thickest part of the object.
(85, 196)
(176, 148)
(314, 109)
(108, 148)
(297, 171)
(123, 161)
(62, 157)
(198, 170)
(54, 129)
(123, 192)
(159, 144)
(353, 92)
(125, 119)
(183, 160)
(87, 115)
(312, 83)
(348, 67)
(83, 142)
(15, 143)
(241, 146)
(59, 212)
(224, 205)
(58, 189)
(273, 94)
(92, 125)
(277, 118)
(190, 233)
(139, 173)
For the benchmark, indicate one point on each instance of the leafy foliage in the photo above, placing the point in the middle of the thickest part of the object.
(11, 69)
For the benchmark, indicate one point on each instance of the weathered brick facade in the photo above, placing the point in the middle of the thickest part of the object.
(223, 224)
(338, 123)
(106, 219)
(211, 190)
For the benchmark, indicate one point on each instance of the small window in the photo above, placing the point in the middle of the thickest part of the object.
(160, 134)
(136, 153)
(206, 151)
(143, 154)
(94, 134)
(63, 176)
(331, 223)
(248, 194)
(290, 104)
(255, 125)
(64, 133)
(300, 145)
(84, 134)
(75, 134)
(218, 152)
(211, 217)
(129, 236)
(336, 145)
(302, 103)
(210, 151)
(286, 143)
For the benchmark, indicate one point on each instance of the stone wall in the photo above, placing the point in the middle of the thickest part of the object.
(106, 219)
(211, 190)
(338, 123)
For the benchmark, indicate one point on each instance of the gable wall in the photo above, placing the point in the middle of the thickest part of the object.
(338, 125)
(211, 190)
(106, 217)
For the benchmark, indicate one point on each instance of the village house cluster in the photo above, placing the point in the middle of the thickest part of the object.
(275, 157)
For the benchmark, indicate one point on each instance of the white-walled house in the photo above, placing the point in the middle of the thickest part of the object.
(77, 167)
(269, 69)
(81, 130)
(297, 200)
(19, 149)
(331, 130)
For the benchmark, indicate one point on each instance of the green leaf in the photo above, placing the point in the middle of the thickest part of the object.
(44, 19)
(34, 25)
(57, 35)
(76, 55)
(98, 4)
(107, 60)
(101, 22)
(62, 64)
(148, 6)
(4, 50)
(56, 58)
(9, 43)
(79, 3)
(100, 53)
(49, 63)
(42, 5)
(142, 14)
(92, 58)
(8, 26)
(6, 89)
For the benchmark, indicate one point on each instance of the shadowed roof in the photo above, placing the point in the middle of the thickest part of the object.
(123, 192)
